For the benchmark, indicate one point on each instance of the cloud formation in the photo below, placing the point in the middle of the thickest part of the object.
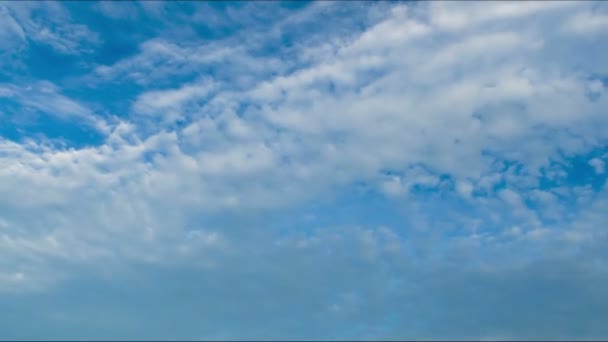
(332, 178)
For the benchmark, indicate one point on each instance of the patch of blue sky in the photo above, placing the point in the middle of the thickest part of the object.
(46, 128)
(44, 62)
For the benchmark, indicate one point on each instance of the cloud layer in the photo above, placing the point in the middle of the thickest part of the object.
(330, 171)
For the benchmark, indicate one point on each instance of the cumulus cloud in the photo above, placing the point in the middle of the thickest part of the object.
(455, 124)
(289, 140)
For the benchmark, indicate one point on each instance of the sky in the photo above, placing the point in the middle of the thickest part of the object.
(303, 170)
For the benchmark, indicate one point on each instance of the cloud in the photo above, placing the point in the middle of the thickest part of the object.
(49, 24)
(45, 97)
(160, 60)
(598, 165)
(297, 142)
(169, 105)
(342, 294)
(114, 11)
(587, 23)
(12, 32)
(437, 163)
(459, 15)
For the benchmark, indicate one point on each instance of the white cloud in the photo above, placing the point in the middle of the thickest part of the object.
(159, 60)
(458, 15)
(54, 28)
(46, 98)
(465, 189)
(403, 96)
(10, 31)
(393, 186)
(586, 22)
(116, 11)
(599, 166)
(169, 105)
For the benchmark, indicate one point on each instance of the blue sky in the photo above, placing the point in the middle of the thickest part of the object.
(303, 170)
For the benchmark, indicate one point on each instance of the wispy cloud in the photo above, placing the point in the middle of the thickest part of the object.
(48, 24)
(45, 97)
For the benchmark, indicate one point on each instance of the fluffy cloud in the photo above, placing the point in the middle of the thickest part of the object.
(598, 165)
(466, 125)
